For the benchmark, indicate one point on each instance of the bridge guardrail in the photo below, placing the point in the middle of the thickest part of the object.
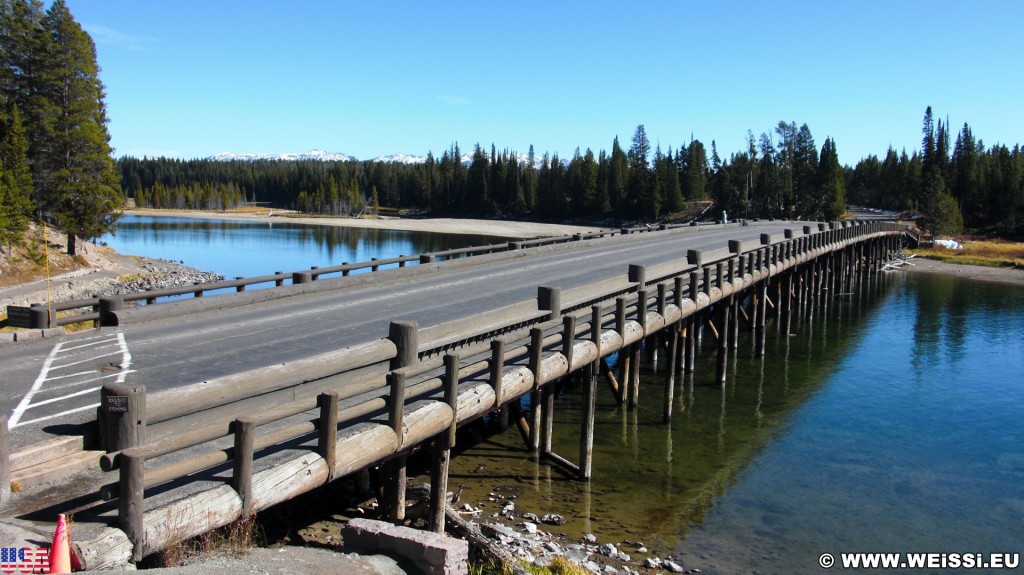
(41, 316)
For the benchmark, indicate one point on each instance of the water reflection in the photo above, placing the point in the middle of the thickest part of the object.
(252, 249)
(896, 425)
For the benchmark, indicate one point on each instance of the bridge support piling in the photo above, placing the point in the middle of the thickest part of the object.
(405, 336)
(442, 446)
(587, 425)
(761, 318)
(670, 376)
(723, 340)
(536, 351)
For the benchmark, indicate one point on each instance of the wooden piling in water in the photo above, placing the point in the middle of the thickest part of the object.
(723, 340)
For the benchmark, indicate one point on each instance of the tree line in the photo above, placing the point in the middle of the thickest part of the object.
(55, 156)
(780, 174)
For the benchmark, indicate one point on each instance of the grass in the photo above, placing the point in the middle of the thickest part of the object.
(991, 253)
(234, 539)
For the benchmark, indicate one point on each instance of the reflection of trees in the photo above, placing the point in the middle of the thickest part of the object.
(677, 473)
(945, 308)
(320, 245)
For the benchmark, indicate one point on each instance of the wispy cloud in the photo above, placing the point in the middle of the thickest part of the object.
(103, 35)
(453, 100)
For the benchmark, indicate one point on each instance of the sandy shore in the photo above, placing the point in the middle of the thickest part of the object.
(1002, 275)
(503, 228)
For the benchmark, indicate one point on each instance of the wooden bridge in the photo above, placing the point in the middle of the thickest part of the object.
(178, 461)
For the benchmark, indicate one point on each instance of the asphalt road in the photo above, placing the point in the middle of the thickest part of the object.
(54, 381)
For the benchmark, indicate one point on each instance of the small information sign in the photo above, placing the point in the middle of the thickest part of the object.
(117, 404)
(18, 316)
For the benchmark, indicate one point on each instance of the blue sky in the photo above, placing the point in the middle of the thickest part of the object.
(192, 78)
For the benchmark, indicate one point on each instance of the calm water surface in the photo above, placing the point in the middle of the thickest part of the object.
(251, 249)
(892, 422)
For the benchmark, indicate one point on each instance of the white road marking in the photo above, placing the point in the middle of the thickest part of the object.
(77, 354)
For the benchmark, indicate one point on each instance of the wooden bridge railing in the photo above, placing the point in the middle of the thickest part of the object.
(374, 402)
(42, 316)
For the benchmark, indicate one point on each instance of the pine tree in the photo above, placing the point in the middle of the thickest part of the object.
(75, 179)
(641, 190)
(831, 182)
(695, 173)
(15, 180)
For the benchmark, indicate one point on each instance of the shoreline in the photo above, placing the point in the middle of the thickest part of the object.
(497, 228)
(980, 273)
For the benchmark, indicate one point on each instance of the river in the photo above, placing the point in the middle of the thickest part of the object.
(891, 422)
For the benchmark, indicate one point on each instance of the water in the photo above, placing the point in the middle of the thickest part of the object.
(249, 249)
(893, 422)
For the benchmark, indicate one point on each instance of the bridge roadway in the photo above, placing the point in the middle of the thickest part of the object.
(191, 348)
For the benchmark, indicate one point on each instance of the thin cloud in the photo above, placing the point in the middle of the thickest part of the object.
(103, 35)
(453, 100)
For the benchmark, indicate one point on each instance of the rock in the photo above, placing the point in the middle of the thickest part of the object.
(553, 519)
(641, 549)
(531, 517)
(530, 528)
(553, 547)
(674, 567)
(592, 566)
(577, 556)
(610, 569)
(624, 556)
(590, 538)
(608, 550)
(652, 563)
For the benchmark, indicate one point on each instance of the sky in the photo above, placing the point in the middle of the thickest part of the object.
(193, 78)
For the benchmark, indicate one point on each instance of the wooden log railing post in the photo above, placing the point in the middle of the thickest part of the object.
(443, 444)
(624, 356)
(109, 306)
(327, 442)
(496, 376)
(123, 414)
(130, 503)
(5, 460)
(634, 359)
(638, 275)
(549, 299)
(241, 476)
(396, 471)
(405, 336)
(536, 353)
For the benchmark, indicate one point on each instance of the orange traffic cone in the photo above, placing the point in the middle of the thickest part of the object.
(60, 551)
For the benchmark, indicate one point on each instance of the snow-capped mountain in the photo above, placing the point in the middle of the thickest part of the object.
(310, 155)
(467, 159)
(400, 159)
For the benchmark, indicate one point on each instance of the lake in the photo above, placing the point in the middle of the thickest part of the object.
(893, 421)
(249, 249)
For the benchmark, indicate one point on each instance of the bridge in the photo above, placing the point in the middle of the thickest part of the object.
(182, 417)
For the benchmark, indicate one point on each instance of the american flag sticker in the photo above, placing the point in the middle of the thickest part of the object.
(24, 559)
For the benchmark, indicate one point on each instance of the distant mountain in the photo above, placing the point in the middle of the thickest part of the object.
(310, 155)
(321, 155)
(400, 159)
